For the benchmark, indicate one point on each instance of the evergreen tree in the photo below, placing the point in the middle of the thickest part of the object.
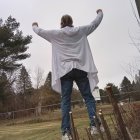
(51, 95)
(104, 96)
(4, 87)
(6, 92)
(48, 81)
(24, 86)
(13, 45)
(137, 86)
(126, 85)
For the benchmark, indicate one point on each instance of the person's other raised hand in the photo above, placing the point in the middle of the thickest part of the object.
(35, 24)
(99, 10)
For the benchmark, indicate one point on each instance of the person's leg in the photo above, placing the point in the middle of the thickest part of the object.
(84, 87)
(66, 87)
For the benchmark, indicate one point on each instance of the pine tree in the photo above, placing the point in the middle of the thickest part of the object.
(6, 93)
(13, 45)
(53, 95)
(4, 87)
(126, 85)
(48, 81)
(24, 86)
(104, 96)
(137, 86)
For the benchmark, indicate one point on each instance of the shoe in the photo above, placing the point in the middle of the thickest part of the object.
(66, 137)
(93, 130)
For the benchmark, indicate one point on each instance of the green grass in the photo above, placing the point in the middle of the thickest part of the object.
(39, 131)
(47, 127)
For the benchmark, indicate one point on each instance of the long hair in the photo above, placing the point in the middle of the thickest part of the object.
(66, 20)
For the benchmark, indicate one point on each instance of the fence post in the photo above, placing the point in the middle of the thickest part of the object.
(115, 127)
(98, 127)
(89, 134)
(77, 136)
(120, 121)
(72, 127)
(104, 123)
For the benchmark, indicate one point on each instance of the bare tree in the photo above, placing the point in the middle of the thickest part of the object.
(39, 77)
(39, 81)
(137, 3)
(136, 40)
(133, 67)
(138, 6)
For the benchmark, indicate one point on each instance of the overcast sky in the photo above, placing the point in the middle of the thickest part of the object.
(110, 43)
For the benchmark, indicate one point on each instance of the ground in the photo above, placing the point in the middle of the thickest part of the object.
(39, 131)
(47, 127)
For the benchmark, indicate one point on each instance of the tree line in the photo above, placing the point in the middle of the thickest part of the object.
(16, 90)
(127, 90)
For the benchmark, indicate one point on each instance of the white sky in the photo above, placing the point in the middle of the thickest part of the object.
(110, 43)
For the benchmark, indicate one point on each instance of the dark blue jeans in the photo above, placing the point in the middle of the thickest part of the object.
(81, 79)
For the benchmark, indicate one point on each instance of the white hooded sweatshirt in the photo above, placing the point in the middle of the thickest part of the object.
(70, 49)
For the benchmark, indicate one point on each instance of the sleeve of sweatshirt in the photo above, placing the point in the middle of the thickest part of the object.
(46, 34)
(88, 29)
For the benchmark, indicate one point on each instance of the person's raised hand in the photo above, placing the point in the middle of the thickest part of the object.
(35, 24)
(99, 10)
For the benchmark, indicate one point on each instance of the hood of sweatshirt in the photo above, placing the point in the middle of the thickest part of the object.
(70, 31)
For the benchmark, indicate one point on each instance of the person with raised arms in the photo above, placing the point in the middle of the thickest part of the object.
(72, 60)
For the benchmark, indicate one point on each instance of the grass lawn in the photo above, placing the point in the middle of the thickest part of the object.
(40, 131)
(48, 126)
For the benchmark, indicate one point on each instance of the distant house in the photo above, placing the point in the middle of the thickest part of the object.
(96, 94)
